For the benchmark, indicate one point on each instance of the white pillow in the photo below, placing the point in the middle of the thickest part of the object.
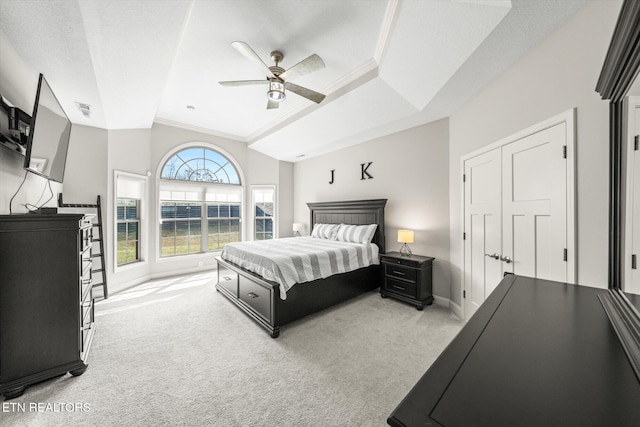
(356, 233)
(325, 231)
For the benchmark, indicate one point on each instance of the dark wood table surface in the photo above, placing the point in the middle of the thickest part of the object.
(536, 353)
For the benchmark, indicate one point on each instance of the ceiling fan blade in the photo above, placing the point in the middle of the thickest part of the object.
(311, 63)
(272, 104)
(243, 82)
(311, 95)
(249, 53)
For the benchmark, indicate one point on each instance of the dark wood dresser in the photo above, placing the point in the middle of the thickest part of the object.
(46, 302)
(536, 353)
(408, 278)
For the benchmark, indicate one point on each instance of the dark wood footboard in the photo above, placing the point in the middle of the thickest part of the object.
(260, 298)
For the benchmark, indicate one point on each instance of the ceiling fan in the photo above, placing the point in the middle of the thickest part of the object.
(277, 77)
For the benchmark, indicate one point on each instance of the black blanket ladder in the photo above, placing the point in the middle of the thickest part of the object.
(97, 239)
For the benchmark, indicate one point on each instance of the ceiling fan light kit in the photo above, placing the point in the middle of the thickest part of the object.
(276, 91)
(277, 77)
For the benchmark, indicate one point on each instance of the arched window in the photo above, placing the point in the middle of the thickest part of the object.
(200, 196)
(202, 165)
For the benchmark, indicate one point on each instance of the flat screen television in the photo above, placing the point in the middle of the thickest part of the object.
(48, 139)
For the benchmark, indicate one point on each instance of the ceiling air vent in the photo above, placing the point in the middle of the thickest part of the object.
(84, 108)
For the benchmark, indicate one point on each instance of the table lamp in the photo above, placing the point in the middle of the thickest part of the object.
(297, 228)
(404, 237)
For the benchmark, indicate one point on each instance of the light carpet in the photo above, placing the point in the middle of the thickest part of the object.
(175, 352)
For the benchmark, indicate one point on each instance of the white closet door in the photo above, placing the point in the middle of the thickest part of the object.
(482, 225)
(534, 205)
(516, 206)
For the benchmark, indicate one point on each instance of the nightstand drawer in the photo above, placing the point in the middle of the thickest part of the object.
(401, 272)
(400, 287)
(399, 261)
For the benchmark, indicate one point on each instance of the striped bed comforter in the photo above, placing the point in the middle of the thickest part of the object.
(292, 260)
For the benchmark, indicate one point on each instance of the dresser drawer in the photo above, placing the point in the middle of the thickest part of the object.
(401, 272)
(400, 287)
(86, 236)
(87, 335)
(256, 297)
(85, 287)
(228, 279)
(86, 312)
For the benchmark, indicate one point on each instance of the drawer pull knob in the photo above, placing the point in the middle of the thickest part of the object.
(399, 273)
(227, 278)
(399, 287)
(252, 295)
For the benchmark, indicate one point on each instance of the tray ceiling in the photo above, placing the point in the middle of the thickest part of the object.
(390, 65)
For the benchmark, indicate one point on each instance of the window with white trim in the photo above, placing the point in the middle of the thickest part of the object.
(200, 164)
(223, 223)
(130, 194)
(264, 211)
(200, 202)
(128, 233)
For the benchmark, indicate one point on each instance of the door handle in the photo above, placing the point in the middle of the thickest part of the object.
(506, 259)
(494, 256)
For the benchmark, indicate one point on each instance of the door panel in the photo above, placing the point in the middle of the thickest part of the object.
(531, 173)
(538, 190)
(482, 222)
(544, 260)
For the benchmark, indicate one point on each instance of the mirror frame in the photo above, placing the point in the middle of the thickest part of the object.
(619, 71)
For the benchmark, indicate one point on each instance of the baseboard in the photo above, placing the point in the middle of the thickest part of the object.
(441, 301)
(183, 271)
(120, 287)
(456, 309)
(446, 302)
(114, 288)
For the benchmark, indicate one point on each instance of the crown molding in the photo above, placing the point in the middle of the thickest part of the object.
(186, 126)
(388, 25)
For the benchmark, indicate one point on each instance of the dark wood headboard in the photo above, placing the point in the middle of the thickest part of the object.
(357, 212)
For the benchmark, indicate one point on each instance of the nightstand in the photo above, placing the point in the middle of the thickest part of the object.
(407, 278)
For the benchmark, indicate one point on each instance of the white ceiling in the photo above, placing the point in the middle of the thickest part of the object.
(390, 65)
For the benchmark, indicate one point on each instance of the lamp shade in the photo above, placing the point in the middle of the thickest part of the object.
(405, 236)
(297, 226)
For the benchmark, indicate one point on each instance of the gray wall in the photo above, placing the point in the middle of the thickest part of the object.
(128, 151)
(285, 200)
(559, 74)
(410, 169)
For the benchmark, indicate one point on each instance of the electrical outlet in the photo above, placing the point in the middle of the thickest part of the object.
(200, 264)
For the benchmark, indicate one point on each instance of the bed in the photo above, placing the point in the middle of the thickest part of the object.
(261, 299)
